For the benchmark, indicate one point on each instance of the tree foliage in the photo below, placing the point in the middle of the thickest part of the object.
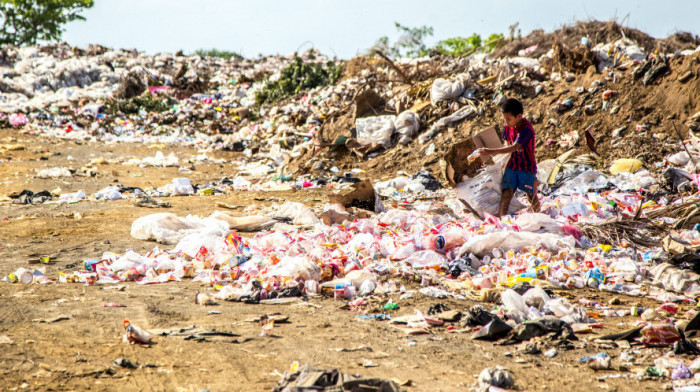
(411, 43)
(26, 22)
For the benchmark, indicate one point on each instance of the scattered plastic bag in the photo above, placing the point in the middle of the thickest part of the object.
(166, 228)
(375, 130)
(443, 89)
(407, 124)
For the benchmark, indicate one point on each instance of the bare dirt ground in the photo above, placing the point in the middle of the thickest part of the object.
(77, 353)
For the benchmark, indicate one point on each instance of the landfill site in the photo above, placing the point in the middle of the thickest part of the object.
(172, 222)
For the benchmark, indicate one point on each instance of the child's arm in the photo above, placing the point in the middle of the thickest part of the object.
(497, 151)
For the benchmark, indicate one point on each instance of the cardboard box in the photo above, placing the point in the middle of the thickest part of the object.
(457, 165)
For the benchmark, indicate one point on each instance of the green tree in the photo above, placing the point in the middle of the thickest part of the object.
(459, 46)
(26, 22)
(410, 43)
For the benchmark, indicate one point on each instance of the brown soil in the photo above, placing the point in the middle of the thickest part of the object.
(597, 32)
(74, 354)
(658, 106)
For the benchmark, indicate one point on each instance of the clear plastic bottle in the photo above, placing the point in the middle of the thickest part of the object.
(135, 334)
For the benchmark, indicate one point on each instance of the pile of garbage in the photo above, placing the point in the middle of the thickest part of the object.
(118, 95)
(628, 225)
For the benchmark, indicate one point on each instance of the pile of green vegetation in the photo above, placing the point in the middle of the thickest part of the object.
(297, 77)
(147, 102)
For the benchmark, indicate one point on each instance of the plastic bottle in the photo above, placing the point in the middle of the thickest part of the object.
(445, 241)
(136, 334)
(311, 287)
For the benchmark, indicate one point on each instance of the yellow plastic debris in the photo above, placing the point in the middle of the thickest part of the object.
(625, 166)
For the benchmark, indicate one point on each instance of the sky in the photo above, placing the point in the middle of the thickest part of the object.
(345, 28)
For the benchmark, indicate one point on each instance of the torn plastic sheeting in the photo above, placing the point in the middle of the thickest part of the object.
(300, 214)
(167, 228)
(248, 223)
(445, 122)
(676, 280)
(129, 260)
(641, 179)
(587, 180)
(482, 245)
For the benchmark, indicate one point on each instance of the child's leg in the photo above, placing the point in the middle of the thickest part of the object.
(506, 197)
(533, 199)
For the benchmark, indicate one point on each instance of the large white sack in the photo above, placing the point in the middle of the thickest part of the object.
(483, 191)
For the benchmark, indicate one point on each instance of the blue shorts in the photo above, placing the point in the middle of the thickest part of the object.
(522, 180)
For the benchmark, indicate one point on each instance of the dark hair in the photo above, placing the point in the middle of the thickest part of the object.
(512, 106)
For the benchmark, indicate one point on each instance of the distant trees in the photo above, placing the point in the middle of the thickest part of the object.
(411, 43)
(26, 22)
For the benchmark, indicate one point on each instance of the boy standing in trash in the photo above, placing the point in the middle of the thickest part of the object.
(521, 170)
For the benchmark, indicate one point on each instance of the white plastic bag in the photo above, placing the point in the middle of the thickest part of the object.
(483, 191)
(515, 304)
(425, 259)
(406, 124)
(375, 130)
(443, 89)
(538, 222)
(54, 172)
(166, 228)
(182, 187)
(296, 266)
(300, 214)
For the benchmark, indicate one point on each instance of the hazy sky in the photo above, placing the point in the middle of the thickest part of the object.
(344, 28)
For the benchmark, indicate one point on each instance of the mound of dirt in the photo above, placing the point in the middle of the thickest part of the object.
(597, 32)
(638, 122)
